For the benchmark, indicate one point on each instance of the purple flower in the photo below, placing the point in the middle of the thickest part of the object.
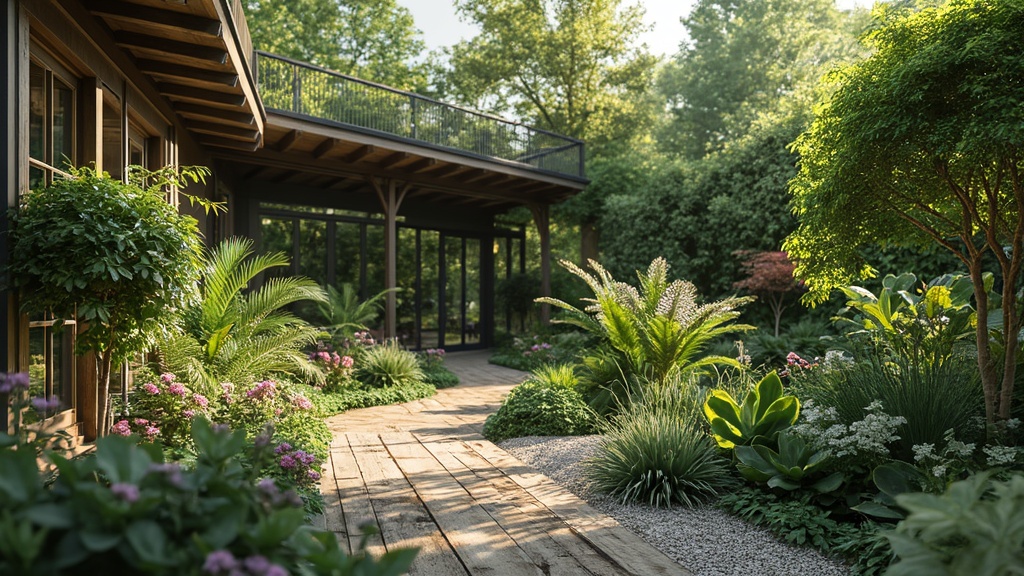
(219, 561)
(282, 448)
(45, 404)
(304, 457)
(302, 403)
(275, 570)
(150, 388)
(171, 470)
(167, 378)
(152, 432)
(188, 414)
(313, 475)
(257, 564)
(262, 391)
(267, 486)
(288, 462)
(177, 389)
(200, 400)
(122, 428)
(125, 492)
(18, 381)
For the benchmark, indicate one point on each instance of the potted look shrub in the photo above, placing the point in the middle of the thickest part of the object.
(114, 255)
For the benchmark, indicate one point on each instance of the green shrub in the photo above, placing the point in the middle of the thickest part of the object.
(932, 398)
(388, 365)
(342, 400)
(545, 405)
(975, 527)
(434, 371)
(797, 521)
(656, 451)
(122, 509)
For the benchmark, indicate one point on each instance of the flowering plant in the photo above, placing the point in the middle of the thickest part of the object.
(339, 369)
(162, 409)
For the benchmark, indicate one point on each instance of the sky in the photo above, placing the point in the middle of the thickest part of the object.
(441, 27)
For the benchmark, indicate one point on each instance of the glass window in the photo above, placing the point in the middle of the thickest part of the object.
(51, 125)
(51, 362)
(113, 163)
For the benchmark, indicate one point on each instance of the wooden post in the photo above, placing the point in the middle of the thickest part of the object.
(542, 218)
(391, 200)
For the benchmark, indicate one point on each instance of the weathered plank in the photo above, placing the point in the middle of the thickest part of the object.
(333, 517)
(355, 502)
(403, 519)
(602, 532)
(546, 539)
(482, 545)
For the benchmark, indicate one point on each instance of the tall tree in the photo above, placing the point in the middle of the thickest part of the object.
(373, 39)
(741, 58)
(922, 143)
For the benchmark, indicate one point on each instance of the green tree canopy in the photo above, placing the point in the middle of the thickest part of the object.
(570, 66)
(741, 58)
(373, 39)
(921, 143)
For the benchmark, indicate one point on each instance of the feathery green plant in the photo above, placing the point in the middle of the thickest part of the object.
(235, 335)
(345, 313)
(387, 365)
(660, 330)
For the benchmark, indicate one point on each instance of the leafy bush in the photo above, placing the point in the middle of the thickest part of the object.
(797, 521)
(547, 404)
(124, 509)
(659, 330)
(975, 527)
(339, 371)
(239, 336)
(656, 451)
(387, 365)
(931, 398)
(434, 371)
(337, 402)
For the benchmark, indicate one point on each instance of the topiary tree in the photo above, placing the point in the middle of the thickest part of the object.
(115, 256)
(921, 143)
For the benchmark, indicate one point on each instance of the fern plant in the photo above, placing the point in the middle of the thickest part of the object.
(659, 330)
(234, 335)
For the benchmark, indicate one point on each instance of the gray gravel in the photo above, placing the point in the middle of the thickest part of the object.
(706, 541)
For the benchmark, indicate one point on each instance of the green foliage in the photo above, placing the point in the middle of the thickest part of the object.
(242, 336)
(438, 376)
(532, 352)
(350, 399)
(791, 468)
(388, 365)
(116, 256)
(376, 41)
(515, 295)
(344, 313)
(660, 329)
(922, 326)
(975, 527)
(655, 451)
(932, 399)
(808, 338)
(799, 522)
(123, 508)
(765, 412)
(547, 404)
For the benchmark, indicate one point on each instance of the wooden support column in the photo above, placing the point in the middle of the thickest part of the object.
(391, 200)
(542, 219)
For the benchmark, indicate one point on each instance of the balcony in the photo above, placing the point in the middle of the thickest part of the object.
(296, 88)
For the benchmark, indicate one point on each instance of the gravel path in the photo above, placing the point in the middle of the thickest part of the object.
(706, 541)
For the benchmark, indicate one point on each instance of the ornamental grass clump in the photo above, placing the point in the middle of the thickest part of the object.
(388, 365)
(656, 451)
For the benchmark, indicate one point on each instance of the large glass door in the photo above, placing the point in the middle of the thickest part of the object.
(459, 291)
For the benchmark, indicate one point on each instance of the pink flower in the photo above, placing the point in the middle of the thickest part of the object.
(121, 428)
(141, 422)
(313, 475)
(219, 561)
(125, 492)
(188, 413)
(347, 361)
(302, 403)
(200, 400)
(150, 388)
(167, 378)
(152, 432)
(177, 389)
(263, 390)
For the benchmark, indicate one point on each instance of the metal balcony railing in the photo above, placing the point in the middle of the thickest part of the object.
(300, 88)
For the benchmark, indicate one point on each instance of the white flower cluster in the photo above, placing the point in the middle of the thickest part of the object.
(1000, 455)
(952, 458)
(836, 359)
(867, 437)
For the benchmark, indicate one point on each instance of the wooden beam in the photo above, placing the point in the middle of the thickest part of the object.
(182, 71)
(493, 180)
(170, 47)
(420, 165)
(475, 175)
(249, 134)
(131, 12)
(359, 154)
(200, 94)
(221, 142)
(191, 109)
(393, 159)
(448, 170)
(326, 147)
(289, 140)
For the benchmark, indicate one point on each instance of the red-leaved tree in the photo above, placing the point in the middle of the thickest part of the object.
(770, 277)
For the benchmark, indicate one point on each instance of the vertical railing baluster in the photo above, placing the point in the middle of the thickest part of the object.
(296, 90)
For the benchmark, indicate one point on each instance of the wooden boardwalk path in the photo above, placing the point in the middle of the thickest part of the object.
(425, 477)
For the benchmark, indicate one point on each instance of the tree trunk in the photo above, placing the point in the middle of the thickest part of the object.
(589, 239)
(103, 391)
(989, 378)
(1010, 343)
(777, 308)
